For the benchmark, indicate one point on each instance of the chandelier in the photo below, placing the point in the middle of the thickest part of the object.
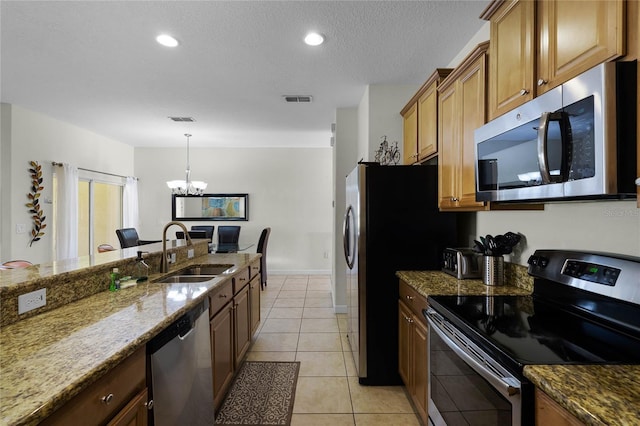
(187, 186)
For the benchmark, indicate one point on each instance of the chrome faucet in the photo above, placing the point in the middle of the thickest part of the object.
(164, 262)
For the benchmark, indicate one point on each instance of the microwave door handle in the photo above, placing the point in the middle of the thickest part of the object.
(543, 158)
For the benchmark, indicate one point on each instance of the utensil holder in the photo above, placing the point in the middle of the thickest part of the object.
(493, 270)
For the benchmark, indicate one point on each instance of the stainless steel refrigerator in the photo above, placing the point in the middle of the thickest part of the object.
(391, 223)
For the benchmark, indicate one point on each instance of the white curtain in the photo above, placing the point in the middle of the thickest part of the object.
(67, 212)
(130, 203)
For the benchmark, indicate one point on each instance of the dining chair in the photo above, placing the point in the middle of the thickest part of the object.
(192, 234)
(128, 237)
(228, 234)
(105, 247)
(15, 264)
(262, 249)
(209, 230)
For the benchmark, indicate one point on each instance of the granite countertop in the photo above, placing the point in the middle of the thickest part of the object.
(430, 283)
(47, 359)
(595, 394)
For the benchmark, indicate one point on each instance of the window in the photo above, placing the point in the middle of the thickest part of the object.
(99, 214)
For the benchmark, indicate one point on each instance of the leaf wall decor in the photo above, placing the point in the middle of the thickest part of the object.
(37, 214)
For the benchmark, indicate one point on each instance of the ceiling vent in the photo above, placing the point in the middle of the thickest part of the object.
(297, 99)
(187, 119)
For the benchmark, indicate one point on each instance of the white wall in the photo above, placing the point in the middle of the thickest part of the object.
(33, 136)
(290, 190)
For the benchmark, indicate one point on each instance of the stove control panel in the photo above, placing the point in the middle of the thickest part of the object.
(593, 272)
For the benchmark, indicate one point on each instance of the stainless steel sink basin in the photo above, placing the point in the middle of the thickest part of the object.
(214, 269)
(186, 279)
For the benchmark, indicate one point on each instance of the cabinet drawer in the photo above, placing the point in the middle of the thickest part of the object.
(254, 269)
(220, 297)
(414, 300)
(104, 398)
(240, 280)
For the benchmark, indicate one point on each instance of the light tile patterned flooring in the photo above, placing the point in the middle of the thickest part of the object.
(298, 324)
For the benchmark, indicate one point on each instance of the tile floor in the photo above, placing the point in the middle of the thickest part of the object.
(298, 324)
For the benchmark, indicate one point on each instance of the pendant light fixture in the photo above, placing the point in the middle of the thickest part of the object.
(187, 186)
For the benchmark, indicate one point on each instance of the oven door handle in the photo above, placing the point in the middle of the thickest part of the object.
(505, 385)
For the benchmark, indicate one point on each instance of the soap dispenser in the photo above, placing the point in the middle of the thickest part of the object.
(141, 272)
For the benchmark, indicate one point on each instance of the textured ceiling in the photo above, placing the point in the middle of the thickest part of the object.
(96, 64)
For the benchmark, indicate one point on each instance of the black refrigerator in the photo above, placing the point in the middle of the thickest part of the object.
(391, 223)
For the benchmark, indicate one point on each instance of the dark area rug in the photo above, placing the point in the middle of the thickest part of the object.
(261, 394)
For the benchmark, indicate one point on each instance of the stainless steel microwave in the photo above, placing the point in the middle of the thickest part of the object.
(577, 141)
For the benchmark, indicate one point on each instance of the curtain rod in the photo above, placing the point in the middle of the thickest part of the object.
(94, 171)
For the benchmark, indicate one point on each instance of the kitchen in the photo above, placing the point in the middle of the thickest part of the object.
(553, 227)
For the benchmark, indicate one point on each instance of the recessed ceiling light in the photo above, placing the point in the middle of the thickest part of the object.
(314, 39)
(167, 40)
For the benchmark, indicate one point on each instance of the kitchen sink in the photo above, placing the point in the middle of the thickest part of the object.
(214, 269)
(186, 279)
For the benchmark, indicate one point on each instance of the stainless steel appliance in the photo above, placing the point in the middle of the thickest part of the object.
(585, 309)
(391, 223)
(576, 141)
(462, 263)
(181, 375)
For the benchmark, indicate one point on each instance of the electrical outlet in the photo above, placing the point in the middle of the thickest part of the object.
(172, 258)
(190, 253)
(326, 255)
(21, 228)
(30, 301)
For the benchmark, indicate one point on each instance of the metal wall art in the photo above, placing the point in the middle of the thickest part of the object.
(37, 215)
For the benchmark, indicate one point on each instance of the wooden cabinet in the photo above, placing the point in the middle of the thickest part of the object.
(119, 397)
(254, 295)
(222, 359)
(242, 320)
(462, 107)
(568, 38)
(413, 350)
(420, 118)
(574, 36)
(511, 56)
(135, 413)
(233, 321)
(410, 134)
(550, 413)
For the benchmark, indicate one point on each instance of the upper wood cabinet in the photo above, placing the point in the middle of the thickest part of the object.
(511, 56)
(462, 109)
(420, 117)
(538, 45)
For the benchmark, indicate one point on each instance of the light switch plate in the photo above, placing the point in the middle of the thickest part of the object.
(190, 253)
(30, 301)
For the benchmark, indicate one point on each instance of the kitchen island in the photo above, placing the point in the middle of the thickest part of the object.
(49, 358)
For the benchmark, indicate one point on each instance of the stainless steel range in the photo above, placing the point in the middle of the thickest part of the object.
(585, 309)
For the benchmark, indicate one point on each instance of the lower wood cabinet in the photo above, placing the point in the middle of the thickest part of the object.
(117, 398)
(232, 323)
(413, 349)
(550, 413)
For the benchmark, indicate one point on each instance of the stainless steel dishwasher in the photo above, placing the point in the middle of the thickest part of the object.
(181, 376)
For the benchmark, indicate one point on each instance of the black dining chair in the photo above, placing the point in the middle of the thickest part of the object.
(192, 234)
(262, 249)
(209, 230)
(228, 237)
(128, 237)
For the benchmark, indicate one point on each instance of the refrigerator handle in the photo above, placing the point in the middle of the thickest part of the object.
(346, 240)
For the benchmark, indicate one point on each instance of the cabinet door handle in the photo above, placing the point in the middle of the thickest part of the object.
(222, 296)
(454, 199)
(523, 92)
(409, 297)
(638, 182)
(107, 399)
(409, 320)
(149, 404)
(542, 82)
